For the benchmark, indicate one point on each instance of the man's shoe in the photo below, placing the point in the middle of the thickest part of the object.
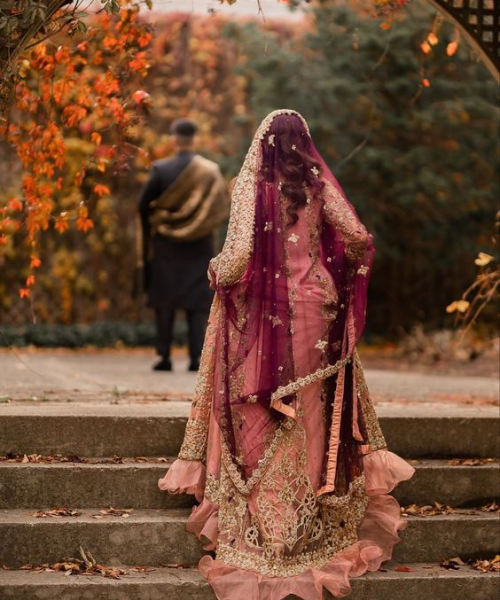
(194, 365)
(164, 365)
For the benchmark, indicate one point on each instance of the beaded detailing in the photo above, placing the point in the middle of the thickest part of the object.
(301, 382)
(246, 487)
(376, 438)
(288, 529)
(338, 213)
(194, 446)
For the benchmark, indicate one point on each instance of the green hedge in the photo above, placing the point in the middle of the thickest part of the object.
(103, 334)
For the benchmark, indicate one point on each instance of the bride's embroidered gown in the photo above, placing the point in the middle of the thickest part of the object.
(283, 448)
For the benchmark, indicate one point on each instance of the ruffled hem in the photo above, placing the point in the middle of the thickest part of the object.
(377, 536)
(185, 477)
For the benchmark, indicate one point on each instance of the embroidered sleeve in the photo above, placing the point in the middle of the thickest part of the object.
(229, 266)
(338, 213)
(194, 446)
(376, 438)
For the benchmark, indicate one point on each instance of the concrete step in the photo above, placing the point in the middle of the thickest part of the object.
(157, 429)
(158, 537)
(423, 582)
(27, 485)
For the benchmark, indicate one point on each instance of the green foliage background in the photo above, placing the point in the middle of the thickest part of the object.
(419, 163)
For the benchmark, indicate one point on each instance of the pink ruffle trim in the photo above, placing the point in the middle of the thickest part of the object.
(377, 536)
(184, 477)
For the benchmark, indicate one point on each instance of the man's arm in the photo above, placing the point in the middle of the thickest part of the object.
(151, 190)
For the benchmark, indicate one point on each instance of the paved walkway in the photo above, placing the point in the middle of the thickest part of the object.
(121, 376)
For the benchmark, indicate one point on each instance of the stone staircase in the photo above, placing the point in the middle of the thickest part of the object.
(154, 532)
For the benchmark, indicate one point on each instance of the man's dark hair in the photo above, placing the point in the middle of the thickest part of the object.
(184, 128)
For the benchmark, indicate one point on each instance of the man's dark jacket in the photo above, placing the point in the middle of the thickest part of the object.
(175, 272)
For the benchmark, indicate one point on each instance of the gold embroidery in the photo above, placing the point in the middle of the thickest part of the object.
(301, 382)
(376, 438)
(194, 445)
(291, 530)
(338, 213)
(212, 489)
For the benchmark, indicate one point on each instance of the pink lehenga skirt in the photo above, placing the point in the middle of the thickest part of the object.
(272, 532)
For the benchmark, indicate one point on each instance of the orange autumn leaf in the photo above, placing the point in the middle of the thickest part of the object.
(15, 204)
(86, 85)
(452, 48)
(84, 224)
(101, 190)
(432, 39)
(62, 224)
(24, 293)
(140, 62)
(35, 262)
(73, 114)
(425, 47)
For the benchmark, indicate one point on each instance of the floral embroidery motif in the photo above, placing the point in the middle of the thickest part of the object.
(270, 139)
(321, 345)
(363, 270)
(315, 171)
(275, 320)
(268, 226)
(292, 529)
(294, 238)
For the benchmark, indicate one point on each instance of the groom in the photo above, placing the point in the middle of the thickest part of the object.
(181, 206)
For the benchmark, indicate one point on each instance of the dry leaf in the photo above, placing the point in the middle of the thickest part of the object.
(428, 510)
(113, 512)
(471, 462)
(403, 569)
(486, 566)
(452, 564)
(493, 507)
(57, 512)
(483, 259)
(175, 566)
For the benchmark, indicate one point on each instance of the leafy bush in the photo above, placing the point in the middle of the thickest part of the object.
(104, 334)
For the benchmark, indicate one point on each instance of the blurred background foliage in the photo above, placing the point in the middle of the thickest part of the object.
(411, 137)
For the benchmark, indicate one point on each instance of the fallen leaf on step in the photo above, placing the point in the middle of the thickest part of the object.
(39, 458)
(403, 569)
(56, 512)
(493, 507)
(428, 510)
(486, 566)
(452, 564)
(471, 462)
(113, 512)
(143, 569)
(175, 566)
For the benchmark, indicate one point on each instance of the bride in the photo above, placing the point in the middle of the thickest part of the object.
(283, 448)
